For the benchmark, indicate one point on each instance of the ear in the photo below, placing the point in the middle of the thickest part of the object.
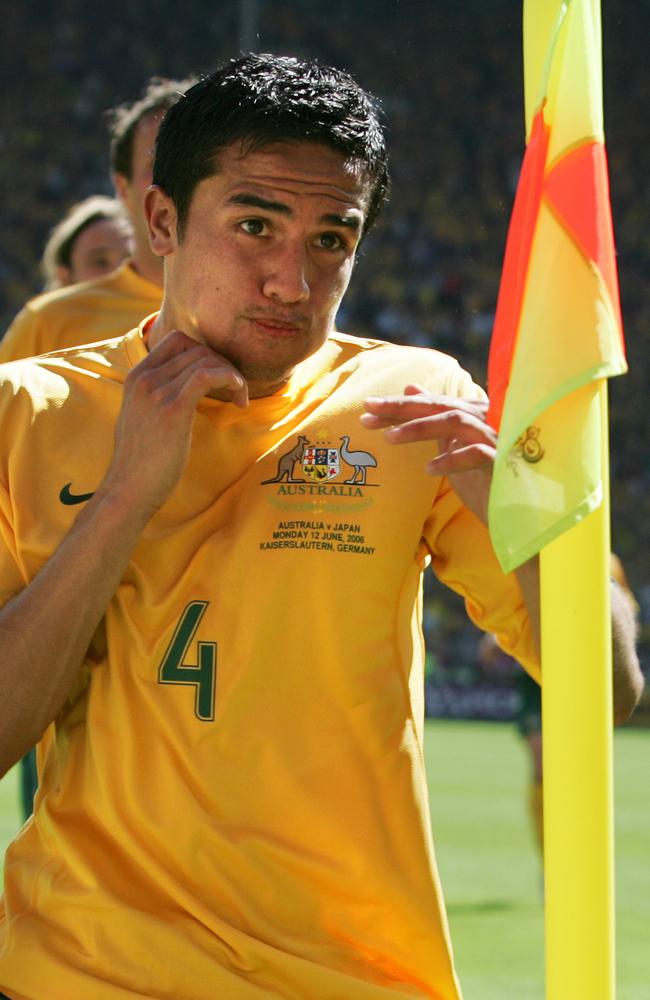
(160, 213)
(63, 276)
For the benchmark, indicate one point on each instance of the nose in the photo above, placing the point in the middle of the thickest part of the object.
(285, 279)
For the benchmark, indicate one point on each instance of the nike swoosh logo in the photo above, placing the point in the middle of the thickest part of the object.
(70, 499)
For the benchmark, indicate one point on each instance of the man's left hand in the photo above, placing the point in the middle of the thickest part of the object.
(466, 442)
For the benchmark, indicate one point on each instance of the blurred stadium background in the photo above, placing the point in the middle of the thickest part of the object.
(449, 77)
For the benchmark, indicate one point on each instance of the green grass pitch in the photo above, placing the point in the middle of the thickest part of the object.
(488, 863)
(478, 776)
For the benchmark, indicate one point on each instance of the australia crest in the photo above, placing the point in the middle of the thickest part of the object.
(314, 462)
(321, 464)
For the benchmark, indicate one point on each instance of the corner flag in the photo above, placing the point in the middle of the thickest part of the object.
(557, 338)
(557, 327)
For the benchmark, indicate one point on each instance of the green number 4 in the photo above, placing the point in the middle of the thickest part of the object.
(174, 671)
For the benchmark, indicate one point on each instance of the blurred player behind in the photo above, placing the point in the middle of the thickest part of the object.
(91, 240)
(110, 305)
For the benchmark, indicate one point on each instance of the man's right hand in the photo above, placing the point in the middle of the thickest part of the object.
(154, 429)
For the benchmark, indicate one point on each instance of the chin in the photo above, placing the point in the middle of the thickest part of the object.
(266, 372)
(265, 378)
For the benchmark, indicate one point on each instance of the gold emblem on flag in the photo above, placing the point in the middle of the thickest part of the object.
(528, 446)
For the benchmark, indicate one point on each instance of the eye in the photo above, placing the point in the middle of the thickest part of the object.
(330, 241)
(254, 227)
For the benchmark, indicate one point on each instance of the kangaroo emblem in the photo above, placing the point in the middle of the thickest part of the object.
(360, 460)
(286, 463)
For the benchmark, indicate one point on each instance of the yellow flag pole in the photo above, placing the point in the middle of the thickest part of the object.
(577, 748)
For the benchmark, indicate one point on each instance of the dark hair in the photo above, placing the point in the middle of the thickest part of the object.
(260, 99)
(158, 95)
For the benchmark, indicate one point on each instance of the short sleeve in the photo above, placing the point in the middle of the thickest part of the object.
(11, 579)
(21, 339)
(463, 559)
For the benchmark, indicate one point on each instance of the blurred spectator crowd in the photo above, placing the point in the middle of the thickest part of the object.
(450, 82)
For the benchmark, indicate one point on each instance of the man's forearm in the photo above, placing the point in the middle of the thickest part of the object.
(528, 579)
(45, 630)
(627, 678)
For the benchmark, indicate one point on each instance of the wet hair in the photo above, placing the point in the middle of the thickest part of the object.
(62, 238)
(260, 99)
(158, 95)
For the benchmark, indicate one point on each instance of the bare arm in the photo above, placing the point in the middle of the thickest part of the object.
(627, 678)
(45, 630)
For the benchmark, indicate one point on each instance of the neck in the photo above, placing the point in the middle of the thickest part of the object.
(147, 265)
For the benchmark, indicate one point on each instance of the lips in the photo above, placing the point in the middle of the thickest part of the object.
(277, 326)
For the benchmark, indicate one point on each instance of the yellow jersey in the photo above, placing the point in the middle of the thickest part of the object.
(233, 802)
(81, 314)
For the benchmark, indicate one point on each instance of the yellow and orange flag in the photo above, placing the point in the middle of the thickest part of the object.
(558, 325)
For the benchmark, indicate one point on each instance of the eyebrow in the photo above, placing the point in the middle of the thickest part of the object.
(254, 201)
(331, 218)
(348, 221)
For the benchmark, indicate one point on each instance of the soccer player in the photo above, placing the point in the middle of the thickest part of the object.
(212, 577)
(91, 240)
(114, 303)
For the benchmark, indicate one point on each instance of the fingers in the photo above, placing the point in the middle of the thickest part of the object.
(420, 416)
(174, 343)
(154, 428)
(198, 379)
(178, 361)
(458, 425)
(416, 403)
(466, 441)
(472, 457)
